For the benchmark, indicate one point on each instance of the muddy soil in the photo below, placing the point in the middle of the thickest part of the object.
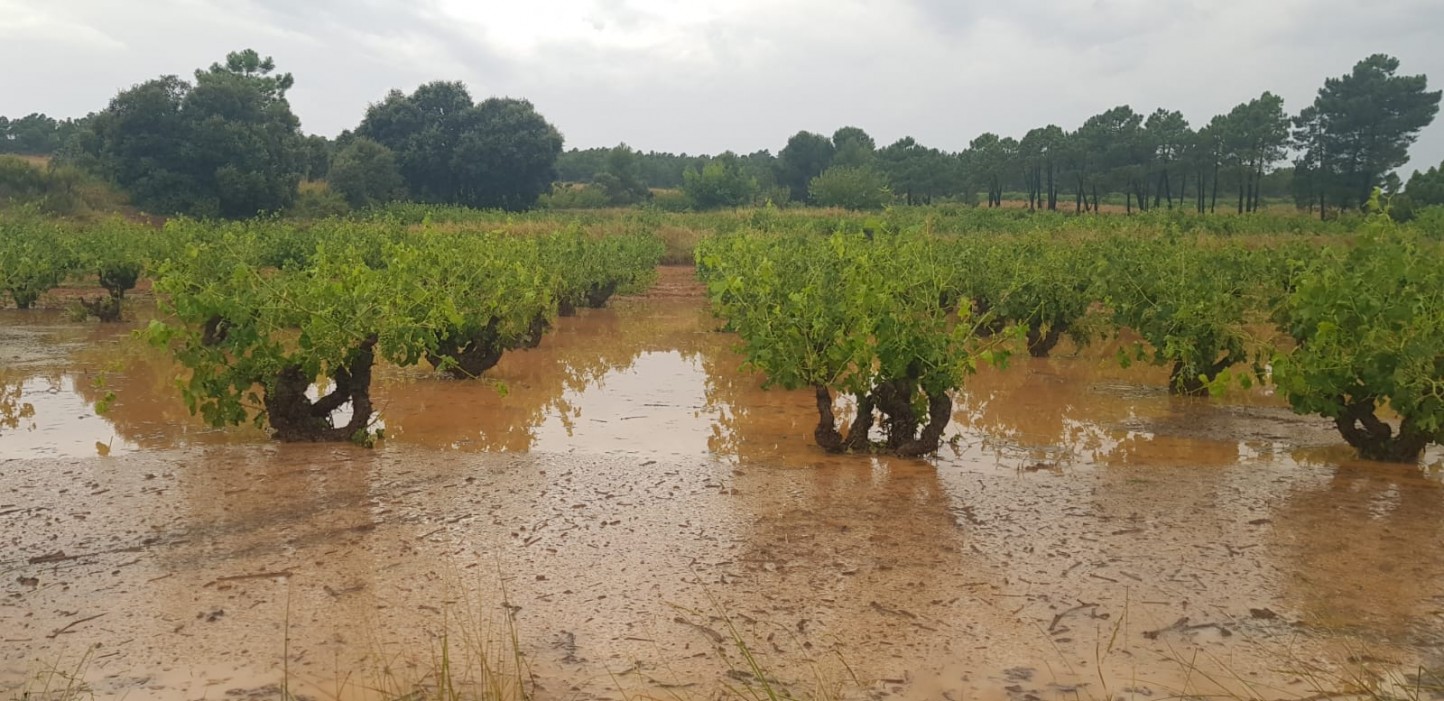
(638, 505)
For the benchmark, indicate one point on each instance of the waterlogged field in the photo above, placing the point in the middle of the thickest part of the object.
(634, 511)
(978, 455)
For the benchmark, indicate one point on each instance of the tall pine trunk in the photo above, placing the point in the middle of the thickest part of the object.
(1213, 202)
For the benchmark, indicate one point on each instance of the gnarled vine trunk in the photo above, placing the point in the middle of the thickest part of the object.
(940, 412)
(535, 332)
(826, 433)
(597, 295)
(980, 310)
(892, 400)
(115, 281)
(470, 357)
(24, 298)
(1376, 439)
(295, 417)
(895, 400)
(1040, 342)
(857, 436)
(106, 308)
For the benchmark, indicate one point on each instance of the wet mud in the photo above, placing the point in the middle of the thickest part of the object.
(637, 505)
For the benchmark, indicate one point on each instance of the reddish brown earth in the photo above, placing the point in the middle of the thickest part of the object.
(1085, 535)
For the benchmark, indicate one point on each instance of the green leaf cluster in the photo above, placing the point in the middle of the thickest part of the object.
(257, 312)
(1368, 321)
(850, 314)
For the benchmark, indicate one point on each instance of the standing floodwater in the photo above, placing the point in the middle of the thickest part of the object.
(1084, 534)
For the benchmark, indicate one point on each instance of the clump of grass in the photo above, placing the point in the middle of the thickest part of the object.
(59, 681)
(1371, 677)
(1358, 672)
(475, 656)
(758, 681)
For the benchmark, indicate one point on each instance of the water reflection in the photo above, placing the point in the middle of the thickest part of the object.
(1363, 553)
(15, 410)
(1052, 412)
(579, 390)
(644, 377)
(630, 472)
(28, 405)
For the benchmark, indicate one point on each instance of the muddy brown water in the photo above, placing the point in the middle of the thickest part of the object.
(638, 503)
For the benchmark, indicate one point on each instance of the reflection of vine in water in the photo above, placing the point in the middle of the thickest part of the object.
(529, 386)
(749, 423)
(1364, 550)
(146, 409)
(15, 411)
(746, 418)
(1044, 411)
(1053, 412)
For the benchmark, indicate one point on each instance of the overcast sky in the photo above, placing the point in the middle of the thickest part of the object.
(710, 75)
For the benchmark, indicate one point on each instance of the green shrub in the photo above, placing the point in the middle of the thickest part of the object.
(318, 203)
(850, 188)
(671, 200)
(57, 190)
(1369, 324)
(720, 184)
(365, 174)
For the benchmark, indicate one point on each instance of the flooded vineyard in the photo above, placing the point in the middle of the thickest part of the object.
(640, 506)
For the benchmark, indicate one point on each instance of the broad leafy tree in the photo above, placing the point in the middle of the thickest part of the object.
(36, 134)
(621, 179)
(804, 158)
(226, 146)
(1427, 188)
(1424, 189)
(317, 159)
(721, 182)
(365, 173)
(658, 169)
(850, 187)
(853, 147)
(499, 153)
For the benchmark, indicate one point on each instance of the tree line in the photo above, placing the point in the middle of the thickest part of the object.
(228, 145)
(36, 134)
(1349, 141)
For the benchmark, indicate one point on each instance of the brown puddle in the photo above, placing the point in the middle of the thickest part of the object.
(631, 487)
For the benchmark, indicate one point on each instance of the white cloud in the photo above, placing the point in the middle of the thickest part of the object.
(23, 20)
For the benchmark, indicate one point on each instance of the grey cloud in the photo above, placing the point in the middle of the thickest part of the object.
(941, 71)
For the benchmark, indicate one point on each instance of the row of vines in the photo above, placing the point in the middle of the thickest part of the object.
(283, 325)
(888, 320)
